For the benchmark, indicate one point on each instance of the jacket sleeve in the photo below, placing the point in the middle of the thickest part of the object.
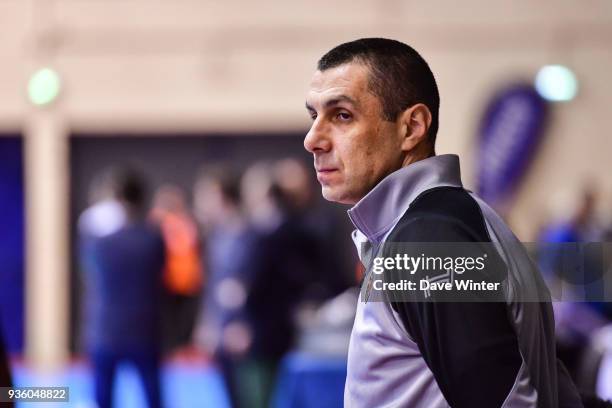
(470, 346)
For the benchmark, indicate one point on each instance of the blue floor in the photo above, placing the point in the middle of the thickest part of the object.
(184, 386)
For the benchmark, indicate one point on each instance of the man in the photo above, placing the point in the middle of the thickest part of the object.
(123, 259)
(225, 329)
(5, 371)
(374, 105)
(183, 270)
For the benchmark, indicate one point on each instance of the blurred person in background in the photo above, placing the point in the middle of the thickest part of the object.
(5, 371)
(223, 328)
(334, 260)
(122, 271)
(580, 226)
(565, 256)
(183, 270)
(607, 240)
(105, 214)
(284, 264)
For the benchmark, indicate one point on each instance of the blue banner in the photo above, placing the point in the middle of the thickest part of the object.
(510, 132)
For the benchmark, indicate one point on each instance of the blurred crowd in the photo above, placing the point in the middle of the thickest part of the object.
(575, 257)
(227, 273)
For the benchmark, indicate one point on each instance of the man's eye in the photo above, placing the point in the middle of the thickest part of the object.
(313, 116)
(343, 116)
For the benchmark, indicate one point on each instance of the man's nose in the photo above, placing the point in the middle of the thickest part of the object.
(316, 139)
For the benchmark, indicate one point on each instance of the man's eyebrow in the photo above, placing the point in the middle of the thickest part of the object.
(334, 101)
(337, 99)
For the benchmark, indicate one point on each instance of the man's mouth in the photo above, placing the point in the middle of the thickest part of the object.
(324, 174)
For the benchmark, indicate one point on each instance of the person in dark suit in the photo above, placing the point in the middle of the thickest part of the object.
(123, 278)
(284, 263)
(5, 372)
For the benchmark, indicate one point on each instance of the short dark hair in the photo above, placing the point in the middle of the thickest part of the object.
(227, 180)
(127, 184)
(398, 76)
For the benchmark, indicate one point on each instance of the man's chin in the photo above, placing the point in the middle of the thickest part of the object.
(336, 196)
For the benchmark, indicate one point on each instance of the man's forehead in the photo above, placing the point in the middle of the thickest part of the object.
(347, 79)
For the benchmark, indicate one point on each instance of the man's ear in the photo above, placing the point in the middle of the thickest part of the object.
(414, 125)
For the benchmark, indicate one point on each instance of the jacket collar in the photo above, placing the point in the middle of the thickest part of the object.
(376, 213)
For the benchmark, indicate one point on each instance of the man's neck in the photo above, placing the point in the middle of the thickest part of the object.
(421, 152)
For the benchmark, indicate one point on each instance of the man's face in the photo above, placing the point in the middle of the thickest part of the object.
(353, 146)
